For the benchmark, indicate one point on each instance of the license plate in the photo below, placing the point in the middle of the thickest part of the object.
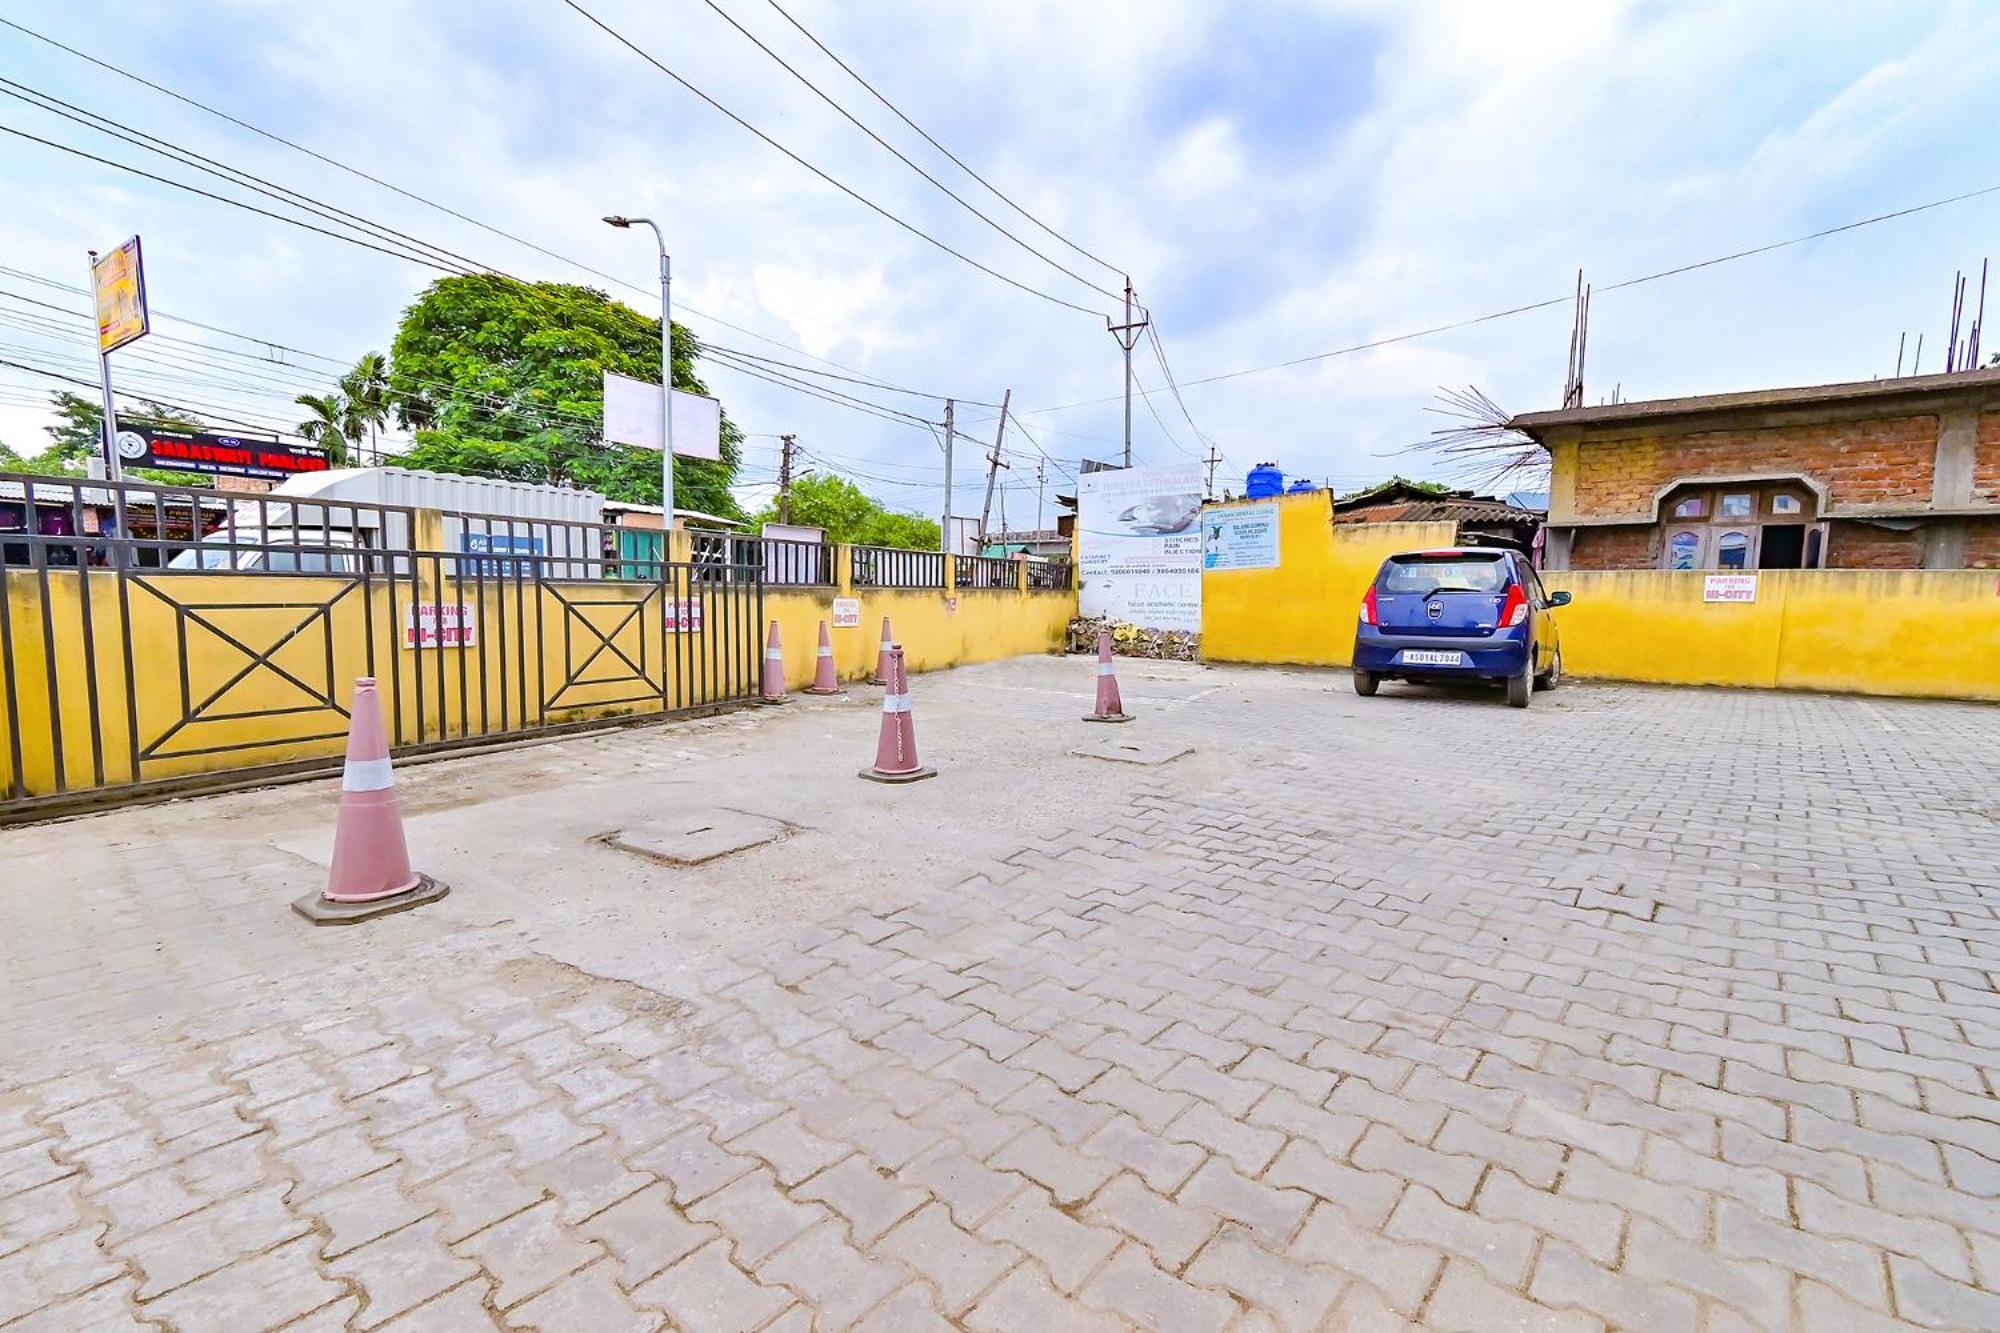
(1431, 657)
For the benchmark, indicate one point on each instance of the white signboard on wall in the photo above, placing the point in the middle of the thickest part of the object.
(1729, 588)
(430, 625)
(632, 416)
(1243, 537)
(1139, 545)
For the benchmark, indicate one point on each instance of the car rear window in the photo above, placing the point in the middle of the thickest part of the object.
(1422, 574)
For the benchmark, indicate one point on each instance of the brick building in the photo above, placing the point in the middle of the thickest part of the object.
(1883, 474)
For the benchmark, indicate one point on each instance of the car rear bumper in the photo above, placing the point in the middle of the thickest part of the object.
(1484, 655)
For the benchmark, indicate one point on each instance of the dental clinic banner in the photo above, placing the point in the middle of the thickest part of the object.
(1139, 545)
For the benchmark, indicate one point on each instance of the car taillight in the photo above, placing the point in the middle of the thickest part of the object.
(1369, 615)
(1514, 611)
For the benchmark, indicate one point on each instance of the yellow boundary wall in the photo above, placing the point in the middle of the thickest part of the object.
(203, 702)
(1909, 633)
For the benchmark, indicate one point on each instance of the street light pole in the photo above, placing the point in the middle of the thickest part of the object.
(666, 374)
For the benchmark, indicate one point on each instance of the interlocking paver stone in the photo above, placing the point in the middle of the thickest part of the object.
(1183, 1045)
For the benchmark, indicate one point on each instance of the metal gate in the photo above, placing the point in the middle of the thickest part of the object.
(151, 636)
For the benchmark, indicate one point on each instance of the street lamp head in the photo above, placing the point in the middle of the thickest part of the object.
(617, 221)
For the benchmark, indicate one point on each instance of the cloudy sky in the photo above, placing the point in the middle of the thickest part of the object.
(1279, 179)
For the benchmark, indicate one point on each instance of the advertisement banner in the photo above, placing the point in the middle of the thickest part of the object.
(1139, 545)
(216, 455)
(632, 416)
(118, 283)
(440, 626)
(1245, 538)
(847, 613)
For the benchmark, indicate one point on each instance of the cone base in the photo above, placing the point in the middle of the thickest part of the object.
(322, 911)
(814, 689)
(883, 775)
(876, 679)
(1107, 717)
(773, 703)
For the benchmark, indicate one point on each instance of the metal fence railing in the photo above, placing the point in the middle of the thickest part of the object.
(888, 567)
(985, 571)
(1050, 576)
(134, 651)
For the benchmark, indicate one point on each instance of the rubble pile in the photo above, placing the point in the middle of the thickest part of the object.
(1166, 645)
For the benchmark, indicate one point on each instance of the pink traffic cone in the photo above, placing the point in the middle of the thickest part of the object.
(896, 746)
(774, 670)
(1110, 708)
(881, 676)
(371, 871)
(824, 679)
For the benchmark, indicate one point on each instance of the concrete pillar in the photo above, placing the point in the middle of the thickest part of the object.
(1957, 453)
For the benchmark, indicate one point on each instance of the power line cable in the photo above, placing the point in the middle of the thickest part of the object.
(393, 188)
(116, 129)
(1675, 271)
(845, 189)
(900, 156)
(956, 160)
(221, 199)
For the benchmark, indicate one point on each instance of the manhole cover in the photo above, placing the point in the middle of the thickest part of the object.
(1132, 752)
(695, 836)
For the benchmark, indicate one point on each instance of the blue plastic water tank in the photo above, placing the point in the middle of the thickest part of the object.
(1300, 487)
(1264, 480)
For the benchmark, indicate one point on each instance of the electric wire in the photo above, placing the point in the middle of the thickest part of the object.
(1552, 302)
(844, 188)
(900, 156)
(411, 195)
(956, 160)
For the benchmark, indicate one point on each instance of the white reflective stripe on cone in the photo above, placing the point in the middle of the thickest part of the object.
(367, 775)
(886, 645)
(826, 652)
(895, 703)
(1106, 669)
(774, 655)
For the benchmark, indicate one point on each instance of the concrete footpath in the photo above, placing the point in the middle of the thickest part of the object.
(1640, 1009)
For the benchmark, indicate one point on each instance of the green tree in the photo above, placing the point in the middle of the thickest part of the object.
(332, 425)
(77, 437)
(503, 378)
(366, 389)
(849, 514)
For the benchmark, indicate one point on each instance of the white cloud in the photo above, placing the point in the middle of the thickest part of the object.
(1280, 178)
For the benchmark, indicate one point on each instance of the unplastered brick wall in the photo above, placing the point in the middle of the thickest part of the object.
(1986, 462)
(1879, 461)
(1982, 543)
(1865, 546)
(1612, 548)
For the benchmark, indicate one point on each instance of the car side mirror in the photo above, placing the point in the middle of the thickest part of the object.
(1559, 599)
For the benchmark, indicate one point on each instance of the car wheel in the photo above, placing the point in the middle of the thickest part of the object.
(1520, 688)
(1365, 683)
(1553, 677)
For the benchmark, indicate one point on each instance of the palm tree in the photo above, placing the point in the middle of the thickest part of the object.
(330, 424)
(366, 388)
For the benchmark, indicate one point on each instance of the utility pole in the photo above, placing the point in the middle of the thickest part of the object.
(1127, 335)
(950, 437)
(785, 479)
(1041, 476)
(993, 464)
(1213, 458)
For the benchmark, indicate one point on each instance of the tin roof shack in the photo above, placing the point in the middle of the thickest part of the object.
(1881, 474)
(74, 514)
(1482, 520)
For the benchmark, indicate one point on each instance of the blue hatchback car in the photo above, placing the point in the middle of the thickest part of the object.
(1459, 615)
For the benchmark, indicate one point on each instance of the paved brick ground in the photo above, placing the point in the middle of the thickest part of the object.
(1645, 1009)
